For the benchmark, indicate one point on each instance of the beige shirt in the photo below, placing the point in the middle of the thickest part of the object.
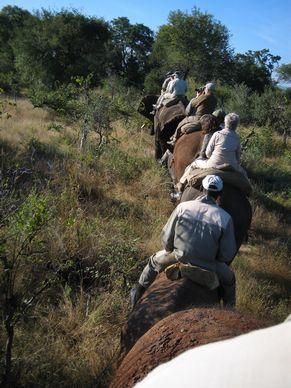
(224, 148)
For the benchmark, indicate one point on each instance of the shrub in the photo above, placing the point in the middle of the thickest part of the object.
(24, 275)
(239, 102)
(269, 109)
(122, 166)
(61, 99)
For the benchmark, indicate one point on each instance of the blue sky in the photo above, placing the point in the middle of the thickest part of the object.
(253, 24)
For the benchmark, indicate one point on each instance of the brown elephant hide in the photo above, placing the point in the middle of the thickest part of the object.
(163, 298)
(167, 115)
(185, 150)
(177, 333)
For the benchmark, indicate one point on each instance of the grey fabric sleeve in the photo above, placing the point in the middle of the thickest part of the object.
(168, 232)
(205, 142)
(227, 246)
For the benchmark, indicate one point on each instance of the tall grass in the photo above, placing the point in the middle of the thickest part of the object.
(109, 210)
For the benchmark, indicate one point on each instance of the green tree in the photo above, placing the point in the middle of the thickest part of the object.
(12, 19)
(254, 68)
(54, 47)
(284, 72)
(132, 44)
(192, 41)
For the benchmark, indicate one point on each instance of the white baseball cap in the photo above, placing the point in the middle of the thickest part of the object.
(210, 86)
(212, 183)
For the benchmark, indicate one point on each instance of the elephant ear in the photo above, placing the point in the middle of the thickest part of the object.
(146, 104)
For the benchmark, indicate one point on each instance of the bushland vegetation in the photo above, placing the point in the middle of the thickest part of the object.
(77, 226)
(82, 200)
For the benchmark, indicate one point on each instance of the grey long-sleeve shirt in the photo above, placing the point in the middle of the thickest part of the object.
(200, 232)
(177, 87)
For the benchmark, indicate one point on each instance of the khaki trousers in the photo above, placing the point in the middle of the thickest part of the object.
(162, 259)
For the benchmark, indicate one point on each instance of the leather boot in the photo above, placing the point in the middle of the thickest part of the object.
(229, 296)
(136, 293)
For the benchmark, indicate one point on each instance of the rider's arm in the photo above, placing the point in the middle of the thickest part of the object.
(168, 232)
(227, 246)
(189, 109)
(211, 145)
(166, 84)
(171, 86)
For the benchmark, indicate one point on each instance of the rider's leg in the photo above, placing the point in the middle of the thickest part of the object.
(228, 284)
(156, 264)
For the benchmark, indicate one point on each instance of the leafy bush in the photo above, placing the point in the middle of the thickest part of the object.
(269, 109)
(240, 103)
(122, 165)
(61, 99)
(23, 273)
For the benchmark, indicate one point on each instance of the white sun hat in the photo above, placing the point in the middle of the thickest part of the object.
(212, 183)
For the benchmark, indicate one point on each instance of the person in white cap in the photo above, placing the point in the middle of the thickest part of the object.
(199, 233)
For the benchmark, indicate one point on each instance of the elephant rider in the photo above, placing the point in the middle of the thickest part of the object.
(199, 233)
(204, 103)
(223, 149)
(169, 78)
(210, 123)
(176, 90)
(219, 116)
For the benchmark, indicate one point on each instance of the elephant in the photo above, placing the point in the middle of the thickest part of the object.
(161, 299)
(165, 121)
(146, 106)
(177, 333)
(165, 297)
(186, 149)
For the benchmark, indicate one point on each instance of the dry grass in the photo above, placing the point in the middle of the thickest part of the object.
(263, 266)
(108, 213)
(74, 344)
(26, 122)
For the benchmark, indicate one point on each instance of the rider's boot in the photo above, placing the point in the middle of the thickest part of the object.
(136, 293)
